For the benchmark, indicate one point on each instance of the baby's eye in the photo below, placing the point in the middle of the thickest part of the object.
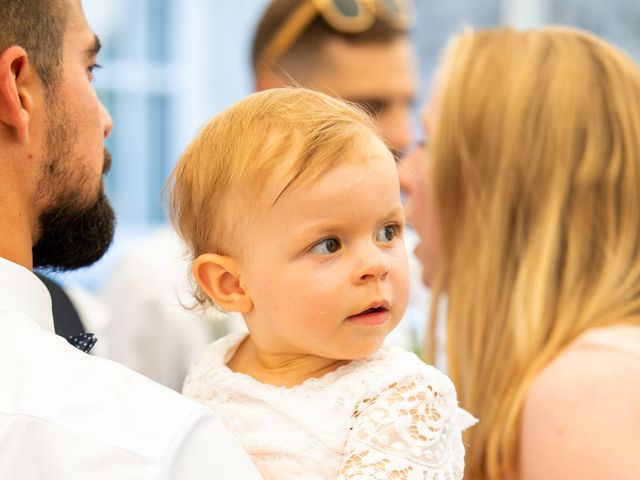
(387, 233)
(326, 246)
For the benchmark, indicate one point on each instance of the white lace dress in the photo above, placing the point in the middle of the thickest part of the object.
(389, 416)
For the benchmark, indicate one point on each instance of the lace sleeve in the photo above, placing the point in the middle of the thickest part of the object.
(406, 432)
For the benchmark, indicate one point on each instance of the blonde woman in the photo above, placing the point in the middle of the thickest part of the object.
(527, 202)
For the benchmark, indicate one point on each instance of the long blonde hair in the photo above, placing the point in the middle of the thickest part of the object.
(535, 157)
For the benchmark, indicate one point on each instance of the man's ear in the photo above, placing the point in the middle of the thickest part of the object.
(219, 277)
(16, 101)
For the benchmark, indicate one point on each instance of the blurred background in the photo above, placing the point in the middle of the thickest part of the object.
(169, 65)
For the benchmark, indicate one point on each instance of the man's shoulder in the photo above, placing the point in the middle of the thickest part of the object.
(44, 378)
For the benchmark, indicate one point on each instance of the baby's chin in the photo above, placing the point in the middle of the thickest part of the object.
(364, 349)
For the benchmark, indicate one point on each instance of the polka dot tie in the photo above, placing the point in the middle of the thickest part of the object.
(84, 341)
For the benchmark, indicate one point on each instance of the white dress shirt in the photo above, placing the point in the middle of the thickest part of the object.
(67, 415)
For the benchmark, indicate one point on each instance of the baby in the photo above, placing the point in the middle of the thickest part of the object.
(291, 207)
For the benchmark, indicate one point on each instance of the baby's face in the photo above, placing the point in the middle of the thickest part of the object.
(326, 266)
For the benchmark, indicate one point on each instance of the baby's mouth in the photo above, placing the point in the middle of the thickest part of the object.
(377, 313)
(373, 310)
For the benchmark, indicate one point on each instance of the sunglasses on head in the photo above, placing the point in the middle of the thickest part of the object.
(345, 16)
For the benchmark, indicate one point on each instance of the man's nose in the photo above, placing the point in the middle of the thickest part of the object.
(397, 130)
(409, 168)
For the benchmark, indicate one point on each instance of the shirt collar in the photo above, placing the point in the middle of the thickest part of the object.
(21, 290)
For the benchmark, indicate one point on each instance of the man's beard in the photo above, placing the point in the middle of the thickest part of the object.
(72, 233)
(70, 239)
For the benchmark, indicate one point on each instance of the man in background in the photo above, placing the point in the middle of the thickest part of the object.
(364, 56)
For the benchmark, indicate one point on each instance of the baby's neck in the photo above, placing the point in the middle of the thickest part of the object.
(280, 369)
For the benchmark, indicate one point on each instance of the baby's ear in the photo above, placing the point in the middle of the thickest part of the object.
(218, 276)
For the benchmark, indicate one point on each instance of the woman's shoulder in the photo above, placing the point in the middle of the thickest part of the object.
(580, 415)
(599, 357)
(622, 338)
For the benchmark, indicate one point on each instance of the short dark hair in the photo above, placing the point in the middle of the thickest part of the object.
(38, 26)
(313, 36)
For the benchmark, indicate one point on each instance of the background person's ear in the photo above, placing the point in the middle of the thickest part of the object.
(16, 101)
(219, 277)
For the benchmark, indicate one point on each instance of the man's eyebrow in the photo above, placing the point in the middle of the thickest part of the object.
(372, 105)
(94, 48)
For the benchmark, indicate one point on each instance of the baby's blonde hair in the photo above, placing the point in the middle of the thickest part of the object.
(535, 161)
(218, 180)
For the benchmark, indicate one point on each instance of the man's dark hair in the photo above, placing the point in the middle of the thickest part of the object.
(38, 26)
(312, 38)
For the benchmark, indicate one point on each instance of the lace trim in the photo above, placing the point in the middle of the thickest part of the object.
(220, 352)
